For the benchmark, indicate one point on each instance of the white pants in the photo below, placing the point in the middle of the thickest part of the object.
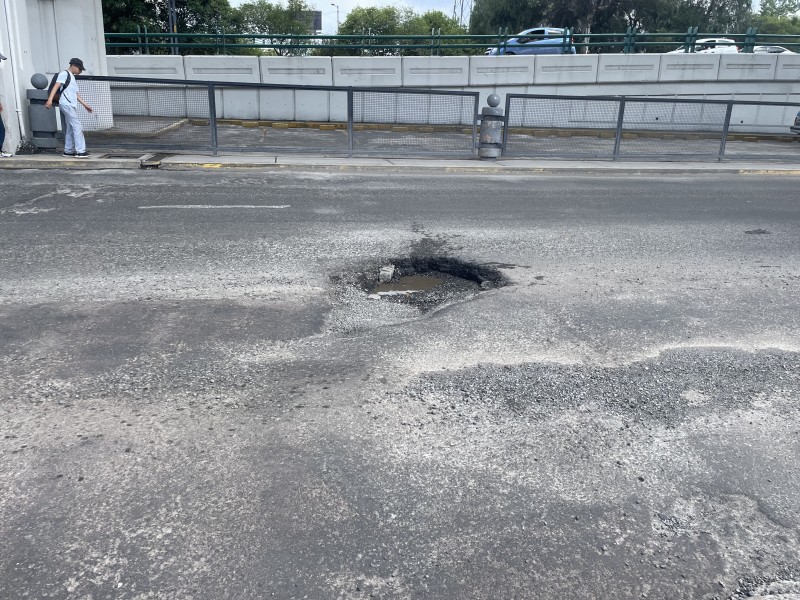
(73, 130)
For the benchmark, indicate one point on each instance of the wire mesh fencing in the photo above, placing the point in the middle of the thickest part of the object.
(207, 116)
(620, 127)
(146, 115)
(422, 122)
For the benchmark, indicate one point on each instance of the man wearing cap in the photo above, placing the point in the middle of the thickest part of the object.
(74, 142)
(3, 154)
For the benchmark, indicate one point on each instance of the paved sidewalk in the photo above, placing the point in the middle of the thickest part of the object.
(132, 160)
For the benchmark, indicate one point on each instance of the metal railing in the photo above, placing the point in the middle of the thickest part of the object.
(367, 44)
(620, 127)
(209, 116)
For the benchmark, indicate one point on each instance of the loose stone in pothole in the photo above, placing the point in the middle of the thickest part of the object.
(407, 285)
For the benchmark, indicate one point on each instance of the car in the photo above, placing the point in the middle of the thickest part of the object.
(771, 50)
(796, 127)
(539, 40)
(709, 46)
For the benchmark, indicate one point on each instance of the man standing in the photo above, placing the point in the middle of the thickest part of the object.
(3, 154)
(74, 142)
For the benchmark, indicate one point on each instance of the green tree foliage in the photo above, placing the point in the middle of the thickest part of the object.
(779, 26)
(606, 16)
(124, 16)
(779, 8)
(362, 25)
(264, 18)
(433, 20)
(490, 16)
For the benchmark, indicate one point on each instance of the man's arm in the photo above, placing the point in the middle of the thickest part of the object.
(86, 106)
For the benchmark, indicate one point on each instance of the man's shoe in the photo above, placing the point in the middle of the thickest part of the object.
(82, 155)
(5, 155)
(70, 154)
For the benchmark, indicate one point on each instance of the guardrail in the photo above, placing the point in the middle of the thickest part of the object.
(171, 114)
(209, 116)
(366, 44)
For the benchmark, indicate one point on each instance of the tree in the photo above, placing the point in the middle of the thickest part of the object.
(779, 8)
(489, 16)
(582, 15)
(123, 16)
(433, 20)
(265, 18)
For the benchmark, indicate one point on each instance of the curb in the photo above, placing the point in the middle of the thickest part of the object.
(382, 165)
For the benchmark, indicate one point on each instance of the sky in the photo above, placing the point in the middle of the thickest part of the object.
(345, 6)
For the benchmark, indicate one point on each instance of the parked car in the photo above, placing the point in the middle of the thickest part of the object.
(710, 46)
(539, 40)
(796, 127)
(771, 50)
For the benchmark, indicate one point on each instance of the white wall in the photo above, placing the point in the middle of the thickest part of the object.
(710, 76)
(40, 36)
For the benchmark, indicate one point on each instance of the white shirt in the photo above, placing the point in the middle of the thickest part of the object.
(69, 96)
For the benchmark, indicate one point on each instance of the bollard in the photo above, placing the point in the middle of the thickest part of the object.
(491, 135)
(43, 121)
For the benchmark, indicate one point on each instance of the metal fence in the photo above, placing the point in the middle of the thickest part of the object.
(619, 127)
(143, 41)
(206, 116)
(164, 115)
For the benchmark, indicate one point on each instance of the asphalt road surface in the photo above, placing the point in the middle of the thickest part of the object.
(201, 397)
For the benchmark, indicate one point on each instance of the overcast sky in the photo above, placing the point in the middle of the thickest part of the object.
(345, 6)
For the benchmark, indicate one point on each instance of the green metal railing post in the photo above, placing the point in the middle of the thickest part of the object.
(629, 44)
(565, 37)
(691, 38)
(502, 35)
(750, 39)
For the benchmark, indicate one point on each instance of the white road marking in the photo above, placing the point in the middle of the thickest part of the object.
(214, 206)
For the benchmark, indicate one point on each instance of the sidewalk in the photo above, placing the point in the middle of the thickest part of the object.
(132, 160)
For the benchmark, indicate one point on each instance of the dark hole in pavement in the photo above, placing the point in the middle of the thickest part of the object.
(429, 281)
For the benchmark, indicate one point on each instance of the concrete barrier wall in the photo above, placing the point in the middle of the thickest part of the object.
(717, 76)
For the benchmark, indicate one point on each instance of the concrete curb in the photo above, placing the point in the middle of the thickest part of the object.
(383, 165)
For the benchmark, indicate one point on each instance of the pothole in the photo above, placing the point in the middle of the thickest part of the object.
(426, 282)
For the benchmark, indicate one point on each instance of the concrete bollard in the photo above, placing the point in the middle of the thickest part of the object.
(43, 121)
(491, 134)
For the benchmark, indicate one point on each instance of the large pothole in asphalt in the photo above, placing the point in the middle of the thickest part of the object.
(425, 282)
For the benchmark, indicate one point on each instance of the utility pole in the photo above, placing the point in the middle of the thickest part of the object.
(337, 16)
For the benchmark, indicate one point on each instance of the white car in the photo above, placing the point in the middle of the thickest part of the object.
(710, 46)
(771, 50)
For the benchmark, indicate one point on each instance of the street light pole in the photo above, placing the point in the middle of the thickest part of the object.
(337, 16)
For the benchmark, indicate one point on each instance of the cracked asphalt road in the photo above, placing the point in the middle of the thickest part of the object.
(195, 403)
